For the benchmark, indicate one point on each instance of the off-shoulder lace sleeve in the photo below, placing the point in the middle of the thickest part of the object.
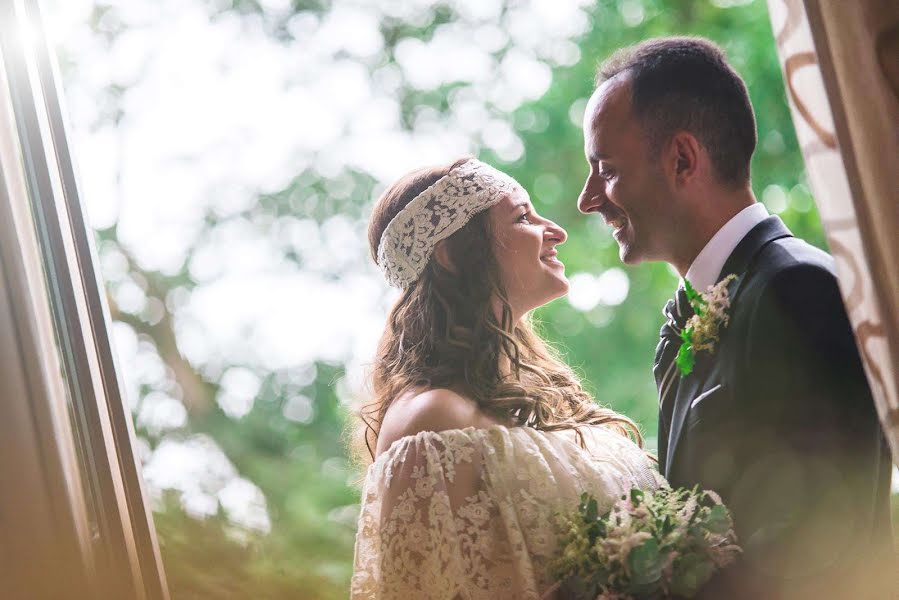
(431, 528)
(474, 513)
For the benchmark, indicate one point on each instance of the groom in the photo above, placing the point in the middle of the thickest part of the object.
(776, 415)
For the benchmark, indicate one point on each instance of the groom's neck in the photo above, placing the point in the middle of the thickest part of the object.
(709, 214)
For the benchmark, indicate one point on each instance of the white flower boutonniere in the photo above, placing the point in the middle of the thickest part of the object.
(710, 316)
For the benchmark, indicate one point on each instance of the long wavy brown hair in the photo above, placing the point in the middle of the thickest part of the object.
(446, 332)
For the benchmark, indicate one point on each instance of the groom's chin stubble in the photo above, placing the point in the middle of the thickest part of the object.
(627, 255)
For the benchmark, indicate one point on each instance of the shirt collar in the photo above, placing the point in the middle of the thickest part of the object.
(708, 263)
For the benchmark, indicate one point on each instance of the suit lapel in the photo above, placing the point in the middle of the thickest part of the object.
(739, 262)
(686, 391)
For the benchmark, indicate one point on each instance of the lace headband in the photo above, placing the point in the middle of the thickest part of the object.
(435, 214)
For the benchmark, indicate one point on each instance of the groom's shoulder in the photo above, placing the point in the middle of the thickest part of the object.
(793, 254)
(793, 275)
(789, 262)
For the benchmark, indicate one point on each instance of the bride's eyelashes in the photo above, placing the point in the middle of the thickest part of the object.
(524, 218)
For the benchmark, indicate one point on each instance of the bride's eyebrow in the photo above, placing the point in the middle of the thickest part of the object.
(523, 204)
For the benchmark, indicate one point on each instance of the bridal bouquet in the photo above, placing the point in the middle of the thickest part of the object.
(663, 544)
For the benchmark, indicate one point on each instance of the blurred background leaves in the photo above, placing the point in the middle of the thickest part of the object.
(229, 152)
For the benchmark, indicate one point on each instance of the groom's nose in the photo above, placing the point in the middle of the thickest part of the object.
(592, 196)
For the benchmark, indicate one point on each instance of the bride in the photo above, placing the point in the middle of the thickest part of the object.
(478, 435)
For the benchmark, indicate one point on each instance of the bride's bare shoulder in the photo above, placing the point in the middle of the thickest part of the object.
(427, 410)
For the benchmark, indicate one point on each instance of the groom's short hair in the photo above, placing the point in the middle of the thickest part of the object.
(686, 84)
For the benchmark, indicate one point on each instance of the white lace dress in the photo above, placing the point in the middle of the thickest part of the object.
(473, 513)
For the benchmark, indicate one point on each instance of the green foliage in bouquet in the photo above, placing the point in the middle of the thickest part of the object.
(655, 545)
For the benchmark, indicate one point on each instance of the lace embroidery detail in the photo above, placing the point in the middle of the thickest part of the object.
(474, 513)
(435, 214)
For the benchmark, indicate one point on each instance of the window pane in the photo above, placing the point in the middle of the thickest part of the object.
(58, 285)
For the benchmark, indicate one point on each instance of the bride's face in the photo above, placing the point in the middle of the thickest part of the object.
(525, 248)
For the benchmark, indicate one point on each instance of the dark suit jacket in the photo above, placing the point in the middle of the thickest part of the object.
(780, 421)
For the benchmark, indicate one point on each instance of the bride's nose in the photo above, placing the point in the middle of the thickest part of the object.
(554, 232)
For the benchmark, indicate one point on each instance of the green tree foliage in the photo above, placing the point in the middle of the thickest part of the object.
(301, 464)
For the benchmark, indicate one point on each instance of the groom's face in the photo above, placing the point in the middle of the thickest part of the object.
(626, 185)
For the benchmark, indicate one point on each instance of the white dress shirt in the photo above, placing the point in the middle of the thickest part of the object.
(708, 263)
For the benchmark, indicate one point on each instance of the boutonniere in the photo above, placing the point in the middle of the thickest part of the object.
(710, 316)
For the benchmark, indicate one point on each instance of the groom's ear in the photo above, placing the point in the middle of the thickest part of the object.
(685, 156)
(441, 255)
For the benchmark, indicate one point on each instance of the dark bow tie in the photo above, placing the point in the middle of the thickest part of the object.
(677, 311)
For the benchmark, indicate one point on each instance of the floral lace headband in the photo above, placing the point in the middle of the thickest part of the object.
(435, 214)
